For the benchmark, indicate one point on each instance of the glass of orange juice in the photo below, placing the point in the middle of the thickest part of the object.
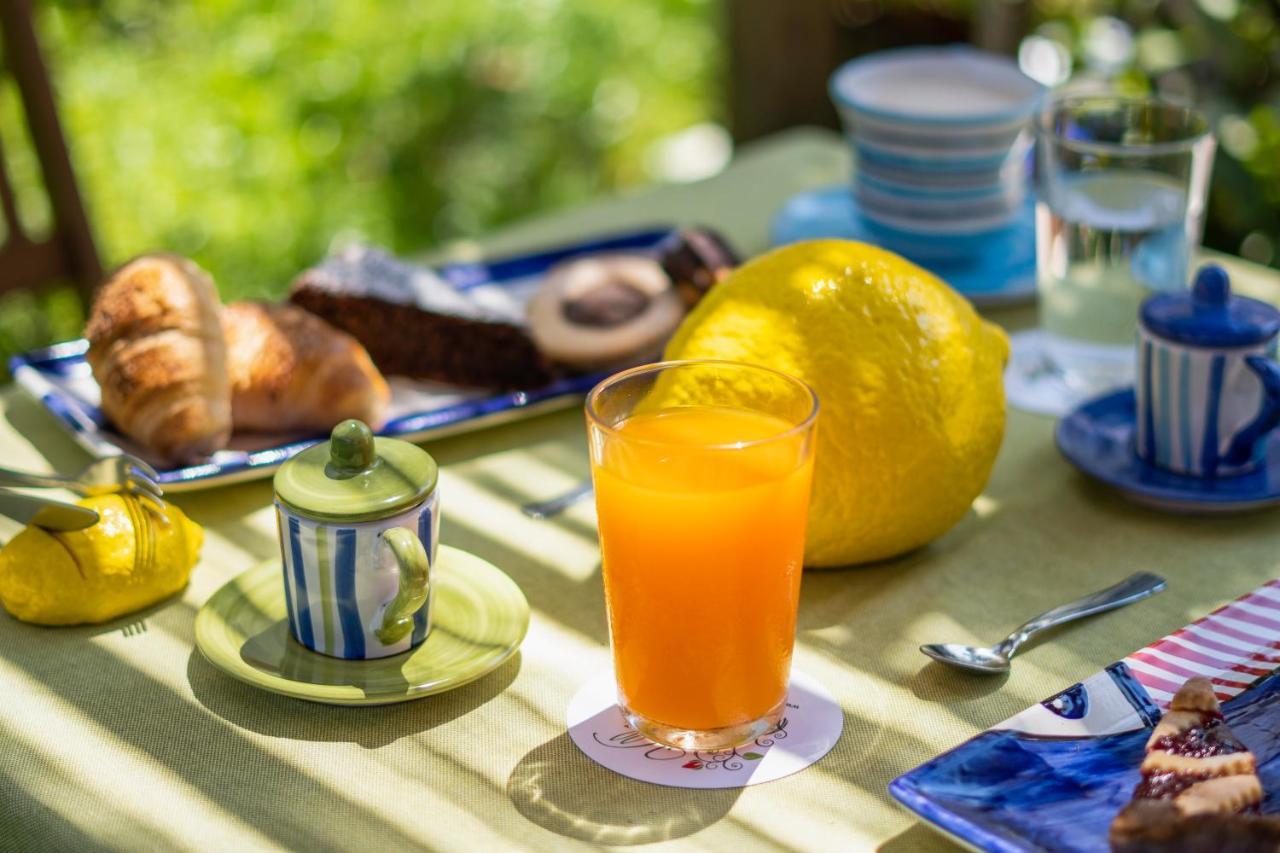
(702, 472)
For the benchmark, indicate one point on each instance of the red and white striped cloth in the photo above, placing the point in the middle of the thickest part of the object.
(1233, 646)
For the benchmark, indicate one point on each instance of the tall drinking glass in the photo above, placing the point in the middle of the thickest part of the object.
(702, 472)
(1122, 184)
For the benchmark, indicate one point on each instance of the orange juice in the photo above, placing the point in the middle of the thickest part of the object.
(702, 533)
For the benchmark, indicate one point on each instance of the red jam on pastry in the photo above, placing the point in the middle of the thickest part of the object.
(1200, 788)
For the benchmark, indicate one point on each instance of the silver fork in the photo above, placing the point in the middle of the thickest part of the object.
(144, 538)
(122, 473)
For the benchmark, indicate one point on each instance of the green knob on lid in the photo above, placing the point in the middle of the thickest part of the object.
(355, 476)
(351, 448)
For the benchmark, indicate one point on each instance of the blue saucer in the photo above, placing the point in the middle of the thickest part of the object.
(997, 268)
(1097, 438)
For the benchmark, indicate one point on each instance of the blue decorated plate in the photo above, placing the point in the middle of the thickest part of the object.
(61, 380)
(1053, 777)
(1097, 438)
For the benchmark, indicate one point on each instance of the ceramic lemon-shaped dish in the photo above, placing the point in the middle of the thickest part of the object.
(129, 560)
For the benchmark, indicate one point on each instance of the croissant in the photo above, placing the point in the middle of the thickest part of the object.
(290, 370)
(157, 352)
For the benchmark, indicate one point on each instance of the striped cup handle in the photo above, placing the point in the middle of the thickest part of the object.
(1241, 450)
(415, 581)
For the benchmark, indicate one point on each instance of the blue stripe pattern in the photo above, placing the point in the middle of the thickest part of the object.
(1197, 408)
(343, 566)
(932, 162)
(1148, 411)
(1184, 408)
(344, 563)
(305, 635)
(1133, 690)
(1209, 448)
(420, 618)
(288, 587)
(1163, 445)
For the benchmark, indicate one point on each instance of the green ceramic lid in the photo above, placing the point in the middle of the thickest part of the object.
(356, 477)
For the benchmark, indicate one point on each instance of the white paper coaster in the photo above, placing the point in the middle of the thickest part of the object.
(1033, 383)
(808, 731)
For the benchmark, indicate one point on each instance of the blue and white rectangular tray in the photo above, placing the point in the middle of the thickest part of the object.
(1053, 777)
(59, 377)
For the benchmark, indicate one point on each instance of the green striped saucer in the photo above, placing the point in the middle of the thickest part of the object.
(479, 619)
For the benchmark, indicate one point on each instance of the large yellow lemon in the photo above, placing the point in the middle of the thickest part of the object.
(126, 561)
(908, 378)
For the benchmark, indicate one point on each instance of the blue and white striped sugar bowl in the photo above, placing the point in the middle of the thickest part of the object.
(1208, 387)
(359, 519)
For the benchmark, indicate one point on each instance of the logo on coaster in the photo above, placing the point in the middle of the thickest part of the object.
(807, 732)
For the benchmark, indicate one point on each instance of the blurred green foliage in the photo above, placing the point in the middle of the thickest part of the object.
(1221, 55)
(251, 135)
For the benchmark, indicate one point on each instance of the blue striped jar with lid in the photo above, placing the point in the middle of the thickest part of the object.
(359, 521)
(1208, 389)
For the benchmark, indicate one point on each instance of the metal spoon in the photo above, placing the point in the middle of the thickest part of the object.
(557, 505)
(996, 659)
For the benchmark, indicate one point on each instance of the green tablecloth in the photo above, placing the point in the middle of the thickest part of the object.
(121, 735)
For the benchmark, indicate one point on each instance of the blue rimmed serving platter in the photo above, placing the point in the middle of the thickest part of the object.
(1053, 777)
(60, 379)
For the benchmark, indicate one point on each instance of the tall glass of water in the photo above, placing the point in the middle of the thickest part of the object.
(1122, 184)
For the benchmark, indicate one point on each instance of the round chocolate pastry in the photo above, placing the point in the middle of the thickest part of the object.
(696, 259)
(604, 311)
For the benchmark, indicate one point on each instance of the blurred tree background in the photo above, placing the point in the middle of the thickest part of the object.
(252, 136)
(1221, 55)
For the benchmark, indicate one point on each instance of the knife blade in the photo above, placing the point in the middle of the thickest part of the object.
(45, 512)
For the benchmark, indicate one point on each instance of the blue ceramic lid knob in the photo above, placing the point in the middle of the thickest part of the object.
(1212, 288)
(1209, 316)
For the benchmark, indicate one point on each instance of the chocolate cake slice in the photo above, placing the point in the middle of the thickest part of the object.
(414, 323)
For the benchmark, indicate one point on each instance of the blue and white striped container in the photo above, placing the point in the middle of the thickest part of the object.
(1208, 389)
(941, 137)
(340, 578)
(1193, 403)
(358, 518)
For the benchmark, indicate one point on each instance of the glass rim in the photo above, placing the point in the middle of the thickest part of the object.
(1054, 105)
(655, 367)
